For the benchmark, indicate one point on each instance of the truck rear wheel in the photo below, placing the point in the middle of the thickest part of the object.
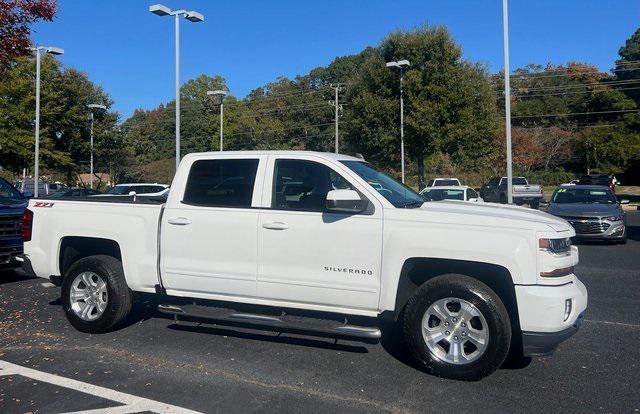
(457, 327)
(95, 295)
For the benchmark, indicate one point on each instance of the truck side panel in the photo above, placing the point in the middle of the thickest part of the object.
(134, 227)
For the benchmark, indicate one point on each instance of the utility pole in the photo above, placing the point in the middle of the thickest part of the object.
(219, 96)
(36, 168)
(91, 108)
(507, 98)
(400, 65)
(192, 16)
(337, 107)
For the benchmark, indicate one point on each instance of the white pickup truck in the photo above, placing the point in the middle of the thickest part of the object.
(321, 244)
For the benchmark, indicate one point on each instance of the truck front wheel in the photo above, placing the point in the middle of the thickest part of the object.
(457, 327)
(95, 295)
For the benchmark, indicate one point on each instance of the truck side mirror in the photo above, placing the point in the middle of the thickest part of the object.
(345, 201)
(132, 193)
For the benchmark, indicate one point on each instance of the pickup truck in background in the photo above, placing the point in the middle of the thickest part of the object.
(322, 244)
(495, 191)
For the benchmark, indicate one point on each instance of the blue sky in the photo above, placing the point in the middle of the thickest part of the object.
(130, 52)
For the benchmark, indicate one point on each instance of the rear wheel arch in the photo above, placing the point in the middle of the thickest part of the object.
(417, 271)
(75, 248)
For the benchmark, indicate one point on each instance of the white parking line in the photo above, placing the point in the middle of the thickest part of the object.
(629, 325)
(131, 403)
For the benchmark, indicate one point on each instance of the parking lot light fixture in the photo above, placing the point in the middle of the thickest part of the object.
(192, 16)
(400, 65)
(220, 95)
(38, 50)
(91, 109)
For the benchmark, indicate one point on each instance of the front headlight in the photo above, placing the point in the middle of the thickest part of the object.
(555, 245)
(614, 218)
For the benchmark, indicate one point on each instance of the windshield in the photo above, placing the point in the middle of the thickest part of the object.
(583, 195)
(395, 192)
(445, 183)
(119, 190)
(9, 192)
(444, 194)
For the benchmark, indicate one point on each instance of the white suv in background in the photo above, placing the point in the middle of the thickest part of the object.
(442, 182)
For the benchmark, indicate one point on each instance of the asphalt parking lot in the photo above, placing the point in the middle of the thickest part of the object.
(156, 365)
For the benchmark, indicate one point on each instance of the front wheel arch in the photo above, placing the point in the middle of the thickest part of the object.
(417, 271)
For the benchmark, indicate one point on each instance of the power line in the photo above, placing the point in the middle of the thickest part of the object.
(574, 92)
(577, 113)
(279, 129)
(577, 85)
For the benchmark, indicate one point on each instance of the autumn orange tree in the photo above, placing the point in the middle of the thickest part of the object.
(16, 16)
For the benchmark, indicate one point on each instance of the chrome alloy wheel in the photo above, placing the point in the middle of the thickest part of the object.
(455, 331)
(88, 296)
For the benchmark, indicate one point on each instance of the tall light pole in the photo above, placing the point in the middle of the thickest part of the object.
(400, 64)
(220, 95)
(91, 108)
(337, 107)
(38, 51)
(507, 98)
(192, 16)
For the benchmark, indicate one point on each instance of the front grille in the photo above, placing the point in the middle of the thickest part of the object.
(10, 227)
(587, 225)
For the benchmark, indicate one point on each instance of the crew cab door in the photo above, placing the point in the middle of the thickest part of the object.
(208, 231)
(312, 256)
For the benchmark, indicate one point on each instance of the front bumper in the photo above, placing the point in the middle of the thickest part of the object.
(543, 314)
(544, 343)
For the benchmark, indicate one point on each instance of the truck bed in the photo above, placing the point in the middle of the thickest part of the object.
(131, 223)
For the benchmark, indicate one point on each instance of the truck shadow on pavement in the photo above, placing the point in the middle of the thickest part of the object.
(268, 336)
(9, 276)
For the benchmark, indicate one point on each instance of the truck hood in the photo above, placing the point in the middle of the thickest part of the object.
(482, 214)
(584, 209)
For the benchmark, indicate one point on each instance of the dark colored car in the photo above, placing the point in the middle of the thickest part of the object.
(74, 192)
(12, 205)
(592, 210)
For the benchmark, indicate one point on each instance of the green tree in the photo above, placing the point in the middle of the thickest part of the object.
(449, 103)
(64, 117)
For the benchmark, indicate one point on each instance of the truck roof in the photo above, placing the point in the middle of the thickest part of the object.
(327, 155)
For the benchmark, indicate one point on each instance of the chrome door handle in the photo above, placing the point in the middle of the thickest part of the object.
(275, 225)
(179, 221)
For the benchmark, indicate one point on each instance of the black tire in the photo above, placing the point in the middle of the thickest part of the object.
(503, 199)
(485, 300)
(535, 204)
(119, 296)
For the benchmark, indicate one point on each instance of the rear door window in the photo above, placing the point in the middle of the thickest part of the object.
(221, 183)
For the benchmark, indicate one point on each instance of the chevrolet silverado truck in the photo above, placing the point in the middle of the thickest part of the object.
(495, 191)
(321, 244)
